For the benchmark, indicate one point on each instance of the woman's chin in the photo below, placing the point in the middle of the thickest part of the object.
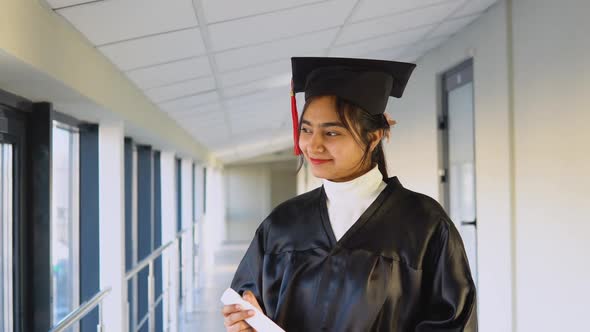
(320, 173)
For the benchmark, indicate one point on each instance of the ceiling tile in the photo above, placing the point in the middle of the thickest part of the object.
(419, 49)
(283, 49)
(390, 54)
(397, 22)
(189, 102)
(266, 111)
(254, 73)
(205, 123)
(474, 6)
(115, 20)
(183, 89)
(64, 3)
(213, 135)
(240, 129)
(174, 72)
(155, 49)
(213, 107)
(451, 26)
(217, 135)
(381, 43)
(253, 30)
(377, 8)
(222, 10)
(279, 82)
(251, 100)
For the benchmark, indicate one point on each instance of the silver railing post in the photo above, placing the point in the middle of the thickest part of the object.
(128, 311)
(151, 297)
(168, 296)
(99, 326)
(181, 274)
(75, 316)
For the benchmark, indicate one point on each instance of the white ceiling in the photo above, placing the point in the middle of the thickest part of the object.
(221, 68)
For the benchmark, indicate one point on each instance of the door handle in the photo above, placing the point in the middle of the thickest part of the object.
(469, 223)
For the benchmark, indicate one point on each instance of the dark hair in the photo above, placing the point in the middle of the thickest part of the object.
(362, 125)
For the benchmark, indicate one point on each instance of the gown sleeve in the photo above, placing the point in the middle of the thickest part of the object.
(248, 276)
(450, 300)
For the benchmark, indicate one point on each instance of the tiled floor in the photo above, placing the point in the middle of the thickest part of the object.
(207, 316)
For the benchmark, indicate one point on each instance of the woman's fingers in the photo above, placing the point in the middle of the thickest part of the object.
(237, 327)
(230, 309)
(235, 315)
(249, 296)
(236, 321)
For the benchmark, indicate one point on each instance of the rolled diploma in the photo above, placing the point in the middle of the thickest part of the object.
(259, 321)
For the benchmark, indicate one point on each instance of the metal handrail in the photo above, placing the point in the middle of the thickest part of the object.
(146, 261)
(79, 313)
(149, 262)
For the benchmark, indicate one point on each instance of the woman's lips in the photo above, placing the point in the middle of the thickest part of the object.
(318, 161)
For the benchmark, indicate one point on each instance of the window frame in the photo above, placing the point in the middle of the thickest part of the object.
(14, 121)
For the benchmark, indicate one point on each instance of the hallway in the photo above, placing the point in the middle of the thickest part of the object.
(206, 316)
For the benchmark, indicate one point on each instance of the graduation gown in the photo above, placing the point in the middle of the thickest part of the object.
(400, 267)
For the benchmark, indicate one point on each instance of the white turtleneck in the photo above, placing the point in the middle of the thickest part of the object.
(348, 200)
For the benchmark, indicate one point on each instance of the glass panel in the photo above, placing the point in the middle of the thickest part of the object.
(65, 221)
(6, 237)
(462, 167)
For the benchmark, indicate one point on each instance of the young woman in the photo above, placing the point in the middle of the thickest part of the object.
(360, 253)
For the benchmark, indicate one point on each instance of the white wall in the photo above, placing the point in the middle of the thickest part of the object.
(413, 152)
(306, 181)
(552, 134)
(283, 184)
(252, 191)
(187, 237)
(112, 226)
(170, 256)
(199, 191)
(531, 158)
(247, 191)
(213, 227)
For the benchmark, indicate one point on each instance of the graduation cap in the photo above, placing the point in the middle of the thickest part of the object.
(365, 83)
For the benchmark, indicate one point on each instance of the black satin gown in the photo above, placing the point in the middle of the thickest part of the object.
(401, 267)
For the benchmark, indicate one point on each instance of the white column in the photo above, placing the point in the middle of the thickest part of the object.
(207, 247)
(170, 256)
(187, 239)
(112, 225)
(216, 207)
(199, 192)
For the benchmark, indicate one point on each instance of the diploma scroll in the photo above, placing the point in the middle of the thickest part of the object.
(259, 321)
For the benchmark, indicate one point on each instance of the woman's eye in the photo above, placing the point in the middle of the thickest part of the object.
(332, 133)
(305, 130)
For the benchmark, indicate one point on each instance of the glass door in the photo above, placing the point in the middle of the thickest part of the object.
(458, 173)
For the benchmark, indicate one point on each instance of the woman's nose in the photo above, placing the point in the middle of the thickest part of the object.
(316, 143)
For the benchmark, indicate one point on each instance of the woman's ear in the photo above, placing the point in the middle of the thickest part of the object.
(376, 138)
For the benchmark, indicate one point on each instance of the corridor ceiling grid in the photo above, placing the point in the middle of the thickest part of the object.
(221, 68)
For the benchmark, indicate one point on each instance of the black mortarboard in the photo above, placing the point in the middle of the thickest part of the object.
(365, 83)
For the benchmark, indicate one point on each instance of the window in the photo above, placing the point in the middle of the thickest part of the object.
(6, 192)
(64, 220)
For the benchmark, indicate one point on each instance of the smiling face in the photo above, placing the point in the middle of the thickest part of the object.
(331, 150)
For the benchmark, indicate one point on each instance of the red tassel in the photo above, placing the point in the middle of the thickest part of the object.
(295, 118)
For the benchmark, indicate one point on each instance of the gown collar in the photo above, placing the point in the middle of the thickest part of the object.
(392, 186)
(359, 188)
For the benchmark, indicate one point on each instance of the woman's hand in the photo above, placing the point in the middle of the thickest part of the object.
(234, 315)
